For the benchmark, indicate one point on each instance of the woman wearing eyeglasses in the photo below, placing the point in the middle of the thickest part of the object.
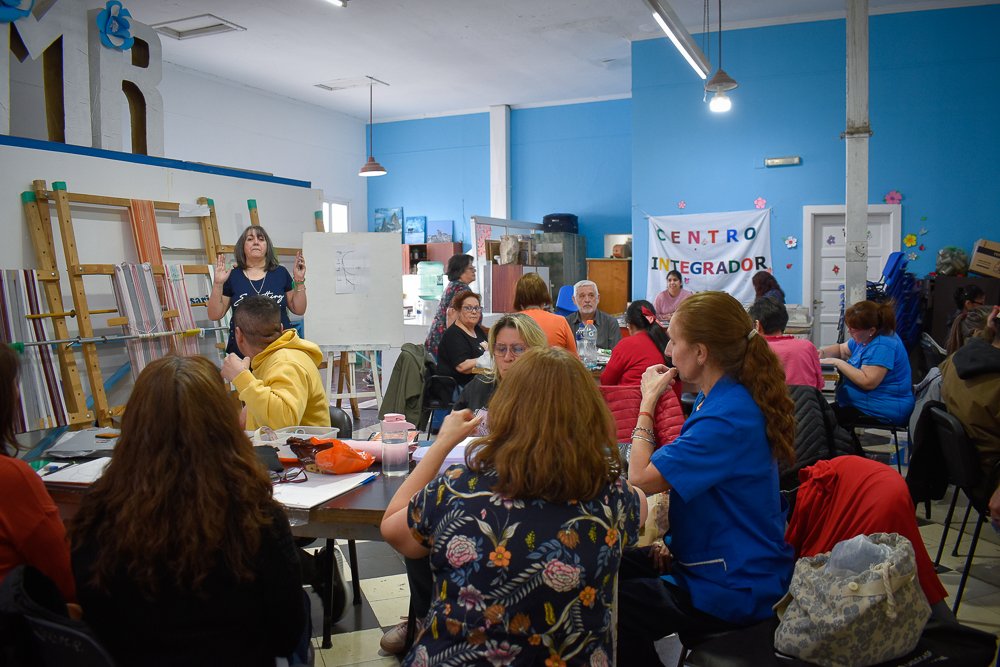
(461, 272)
(181, 554)
(464, 341)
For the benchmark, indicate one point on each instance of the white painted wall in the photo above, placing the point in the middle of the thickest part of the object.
(219, 122)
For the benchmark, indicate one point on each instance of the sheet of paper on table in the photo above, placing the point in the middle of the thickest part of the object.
(80, 473)
(456, 455)
(318, 489)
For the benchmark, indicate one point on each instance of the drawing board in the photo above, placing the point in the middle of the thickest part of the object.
(355, 283)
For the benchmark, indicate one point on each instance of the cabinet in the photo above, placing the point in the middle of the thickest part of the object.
(614, 283)
(414, 253)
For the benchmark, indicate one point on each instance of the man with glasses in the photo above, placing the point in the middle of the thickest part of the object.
(586, 297)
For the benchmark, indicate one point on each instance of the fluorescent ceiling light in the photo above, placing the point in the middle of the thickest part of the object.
(679, 35)
(338, 3)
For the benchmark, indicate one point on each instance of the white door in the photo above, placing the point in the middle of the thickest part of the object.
(824, 243)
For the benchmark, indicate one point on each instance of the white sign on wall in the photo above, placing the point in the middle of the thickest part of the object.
(712, 251)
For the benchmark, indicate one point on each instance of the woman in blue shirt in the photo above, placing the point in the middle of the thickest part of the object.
(256, 272)
(728, 561)
(873, 365)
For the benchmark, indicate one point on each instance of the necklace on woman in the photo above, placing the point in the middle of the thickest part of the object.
(254, 287)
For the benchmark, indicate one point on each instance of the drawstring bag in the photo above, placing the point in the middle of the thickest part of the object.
(860, 604)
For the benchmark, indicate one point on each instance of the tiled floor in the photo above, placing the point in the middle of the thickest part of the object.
(385, 591)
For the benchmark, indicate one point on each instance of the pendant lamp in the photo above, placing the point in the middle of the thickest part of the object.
(371, 167)
(720, 81)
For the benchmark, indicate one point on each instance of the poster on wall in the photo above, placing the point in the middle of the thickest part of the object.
(712, 251)
(415, 230)
(388, 220)
(439, 231)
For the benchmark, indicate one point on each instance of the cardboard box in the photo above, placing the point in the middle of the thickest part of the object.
(986, 258)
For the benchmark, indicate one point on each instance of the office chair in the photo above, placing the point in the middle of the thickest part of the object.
(37, 628)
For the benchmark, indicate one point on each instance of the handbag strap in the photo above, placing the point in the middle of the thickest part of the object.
(884, 585)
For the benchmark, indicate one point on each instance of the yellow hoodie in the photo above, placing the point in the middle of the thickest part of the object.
(285, 388)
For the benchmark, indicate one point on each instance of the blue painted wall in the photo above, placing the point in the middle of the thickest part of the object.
(438, 167)
(577, 159)
(933, 108)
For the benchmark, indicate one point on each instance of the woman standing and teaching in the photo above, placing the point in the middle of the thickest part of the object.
(257, 271)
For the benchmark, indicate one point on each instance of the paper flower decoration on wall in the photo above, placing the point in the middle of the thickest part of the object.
(922, 247)
(893, 197)
(788, 266)
(912, 257)
(114, 26)
(682, 204)
(910, 240)
(759, 202)
(836, 270)
(923, 230)
(830, 240)
(791, 242)
(12, 10)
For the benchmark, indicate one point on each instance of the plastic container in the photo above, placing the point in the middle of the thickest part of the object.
(430, 280)
(395, 445)
(588, 349)
(285, 454)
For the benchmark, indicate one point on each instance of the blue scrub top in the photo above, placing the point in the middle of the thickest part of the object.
(892, 399)
(275, 285)
(727, 518)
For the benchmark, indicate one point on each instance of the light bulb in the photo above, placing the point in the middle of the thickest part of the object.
(720, 102)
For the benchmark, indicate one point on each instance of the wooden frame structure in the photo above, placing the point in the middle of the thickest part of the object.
(37, 203)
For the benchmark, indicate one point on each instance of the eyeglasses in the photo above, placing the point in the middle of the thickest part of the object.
(502, 350)
(472, 309)
(289, 476)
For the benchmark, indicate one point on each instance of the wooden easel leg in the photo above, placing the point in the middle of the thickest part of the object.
(352, 384)
(341, 374)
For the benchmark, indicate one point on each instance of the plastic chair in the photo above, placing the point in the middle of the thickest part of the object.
(36, 626)
(340, 420)
(564, 301)
(439, 394)
(965, 472)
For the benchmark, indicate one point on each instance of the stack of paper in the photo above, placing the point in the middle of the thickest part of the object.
(80, 473)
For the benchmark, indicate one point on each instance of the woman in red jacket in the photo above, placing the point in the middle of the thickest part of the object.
(645, 346)
(31, 531)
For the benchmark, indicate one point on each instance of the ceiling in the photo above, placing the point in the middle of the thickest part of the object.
(449, 56)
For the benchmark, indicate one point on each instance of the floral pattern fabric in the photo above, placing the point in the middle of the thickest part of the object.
(440, 323)
(519, 582)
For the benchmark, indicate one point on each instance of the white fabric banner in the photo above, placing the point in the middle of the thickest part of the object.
(712, 251)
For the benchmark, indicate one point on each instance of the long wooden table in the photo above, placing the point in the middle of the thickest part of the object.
(355, 515)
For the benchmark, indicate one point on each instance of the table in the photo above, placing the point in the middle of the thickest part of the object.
(355, 515)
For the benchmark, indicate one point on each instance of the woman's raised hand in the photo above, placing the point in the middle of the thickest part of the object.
(457, 426)
(222, 270)
(299, 270)
(656, 380)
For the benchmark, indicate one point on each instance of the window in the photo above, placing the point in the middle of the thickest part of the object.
(336, 216)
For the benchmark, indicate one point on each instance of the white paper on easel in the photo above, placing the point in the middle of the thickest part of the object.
(352, 268)
(318, 489)
(81, 473)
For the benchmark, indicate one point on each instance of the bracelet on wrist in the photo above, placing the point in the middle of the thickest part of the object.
(636, 436)
(643, 413)
(648, 431)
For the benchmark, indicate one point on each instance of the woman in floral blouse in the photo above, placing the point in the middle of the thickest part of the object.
(525, 538)
(461, 271)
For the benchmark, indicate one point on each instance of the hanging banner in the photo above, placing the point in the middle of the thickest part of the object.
(712, 251)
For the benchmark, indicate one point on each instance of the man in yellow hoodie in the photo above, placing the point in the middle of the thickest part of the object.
(284, 387)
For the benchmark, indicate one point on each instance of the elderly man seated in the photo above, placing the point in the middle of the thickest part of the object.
(586, 297)
(284, 387)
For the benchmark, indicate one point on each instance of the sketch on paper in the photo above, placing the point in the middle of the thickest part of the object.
(352, 269)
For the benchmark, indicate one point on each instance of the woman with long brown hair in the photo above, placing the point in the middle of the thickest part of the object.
(526, 536)
(728, 554)
(180, 553)
(31, 531)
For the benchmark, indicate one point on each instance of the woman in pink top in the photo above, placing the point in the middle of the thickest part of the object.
(666, 302)
(798, 356)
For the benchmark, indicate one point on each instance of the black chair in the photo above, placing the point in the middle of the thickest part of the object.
(867, 421)
(965, 472)
(752, 646)
(439, 394)
(342, 421)
(36, 629)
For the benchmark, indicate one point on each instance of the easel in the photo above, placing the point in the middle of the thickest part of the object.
(348, 366)
(36, 206)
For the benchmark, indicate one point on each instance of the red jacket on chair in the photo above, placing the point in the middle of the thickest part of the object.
(623, 401)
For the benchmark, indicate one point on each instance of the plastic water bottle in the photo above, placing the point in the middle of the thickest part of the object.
(395, 447)
(588, 352)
